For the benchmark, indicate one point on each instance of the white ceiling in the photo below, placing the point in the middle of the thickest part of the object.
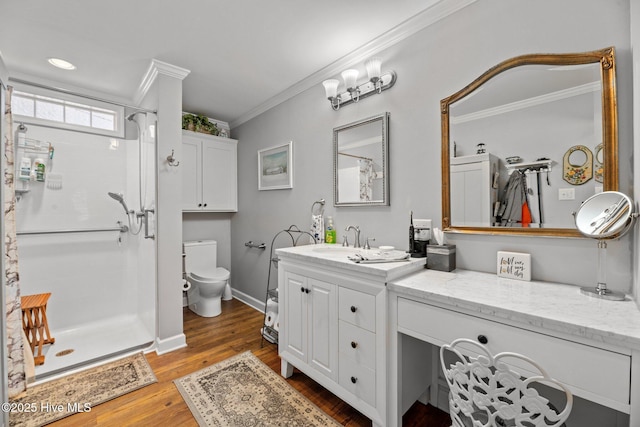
(241, 54)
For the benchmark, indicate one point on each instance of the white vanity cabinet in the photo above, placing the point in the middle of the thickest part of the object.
(333, 323)
(590, 345)
(209, 166)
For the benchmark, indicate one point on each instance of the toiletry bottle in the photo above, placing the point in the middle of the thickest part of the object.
(411, 235)
(25, 169)
(330, 232)
(39, 166)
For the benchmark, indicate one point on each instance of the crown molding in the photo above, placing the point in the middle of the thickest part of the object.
(527, 103)
(156, 68)
(439, 9)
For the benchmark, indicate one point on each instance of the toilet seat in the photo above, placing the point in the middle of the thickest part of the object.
(220, 273)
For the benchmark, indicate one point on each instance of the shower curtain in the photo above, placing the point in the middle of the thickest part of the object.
(15, 344)
(366, 179)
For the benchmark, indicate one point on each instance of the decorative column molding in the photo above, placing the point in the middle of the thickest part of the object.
(155, 68)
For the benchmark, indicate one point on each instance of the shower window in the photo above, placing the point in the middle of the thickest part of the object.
(68, 112)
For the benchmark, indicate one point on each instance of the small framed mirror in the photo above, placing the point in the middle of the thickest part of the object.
(526, 142)
(361, 162)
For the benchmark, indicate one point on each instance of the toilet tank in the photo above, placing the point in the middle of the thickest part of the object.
(201, 257)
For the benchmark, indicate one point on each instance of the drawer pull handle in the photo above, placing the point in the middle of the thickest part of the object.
(354, 344)
(354, 308)
(307, 290)
(301, 289)
(483, 339)
(354, 380)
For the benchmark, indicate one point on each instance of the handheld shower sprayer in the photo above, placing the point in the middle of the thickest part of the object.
(120, 198)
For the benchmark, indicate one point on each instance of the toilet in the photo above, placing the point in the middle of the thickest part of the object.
(209, 283)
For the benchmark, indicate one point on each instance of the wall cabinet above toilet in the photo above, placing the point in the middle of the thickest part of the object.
(209, 173)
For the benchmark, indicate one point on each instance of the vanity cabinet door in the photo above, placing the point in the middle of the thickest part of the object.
(190, 166)
(219, 176)
(322, 329)
(311, 331)
(293, 338)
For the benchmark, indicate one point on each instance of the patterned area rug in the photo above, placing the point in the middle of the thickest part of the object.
(243, 391)
(56, 399)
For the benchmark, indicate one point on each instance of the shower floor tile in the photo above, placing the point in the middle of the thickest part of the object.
(92, 342)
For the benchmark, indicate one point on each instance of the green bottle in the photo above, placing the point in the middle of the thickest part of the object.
(330, 231)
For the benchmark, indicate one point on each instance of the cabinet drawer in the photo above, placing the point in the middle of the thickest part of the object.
(590, 372)
(357, 379)
(357, 308)
(358, 344)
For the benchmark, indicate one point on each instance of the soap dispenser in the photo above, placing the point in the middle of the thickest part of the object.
(330, 231)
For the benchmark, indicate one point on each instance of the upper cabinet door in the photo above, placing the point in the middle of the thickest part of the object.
(219, 176)
(209, 173)
(191, 174)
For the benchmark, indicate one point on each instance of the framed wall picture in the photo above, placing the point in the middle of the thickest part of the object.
(275, 167)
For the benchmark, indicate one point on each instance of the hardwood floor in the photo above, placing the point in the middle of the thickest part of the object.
(211, 340)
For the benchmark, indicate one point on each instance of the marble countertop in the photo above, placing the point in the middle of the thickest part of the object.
(552, 306)
(335, 256)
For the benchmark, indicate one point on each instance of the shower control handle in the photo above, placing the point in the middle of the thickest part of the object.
(145, 214)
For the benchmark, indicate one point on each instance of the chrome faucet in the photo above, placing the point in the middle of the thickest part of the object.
(355, 228)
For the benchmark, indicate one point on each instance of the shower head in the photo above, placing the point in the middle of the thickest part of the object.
(120, 198)
(131, 116)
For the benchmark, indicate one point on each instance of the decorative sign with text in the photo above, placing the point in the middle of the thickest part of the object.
(514, 265)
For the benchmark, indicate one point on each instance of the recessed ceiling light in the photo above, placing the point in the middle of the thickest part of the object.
(61, 63)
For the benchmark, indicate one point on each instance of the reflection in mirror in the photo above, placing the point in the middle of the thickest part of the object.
(606, 215)
(527, 141)
(361, 157)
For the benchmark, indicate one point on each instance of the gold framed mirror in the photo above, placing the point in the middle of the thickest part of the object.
(527, 142)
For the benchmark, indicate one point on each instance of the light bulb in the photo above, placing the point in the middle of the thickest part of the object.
(350, 77)
(331, 88)
(373, 66)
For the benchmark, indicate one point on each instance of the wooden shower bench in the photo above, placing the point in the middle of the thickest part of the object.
(34, 323)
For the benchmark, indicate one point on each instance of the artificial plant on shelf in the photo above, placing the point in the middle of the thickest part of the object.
(199, 123)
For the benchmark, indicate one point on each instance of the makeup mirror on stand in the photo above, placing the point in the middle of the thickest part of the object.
(604, 216)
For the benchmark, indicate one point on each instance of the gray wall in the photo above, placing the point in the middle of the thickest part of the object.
(431, 65)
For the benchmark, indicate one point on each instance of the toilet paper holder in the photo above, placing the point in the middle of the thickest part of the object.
(250, 244)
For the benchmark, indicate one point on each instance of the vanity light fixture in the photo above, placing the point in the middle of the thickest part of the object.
(377, 82)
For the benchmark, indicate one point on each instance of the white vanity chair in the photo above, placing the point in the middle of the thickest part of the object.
(484, 390)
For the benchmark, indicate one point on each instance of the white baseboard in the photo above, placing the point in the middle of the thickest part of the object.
(169, 344)
(249, 300)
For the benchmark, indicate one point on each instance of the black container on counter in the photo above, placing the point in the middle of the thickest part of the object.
(441, 257)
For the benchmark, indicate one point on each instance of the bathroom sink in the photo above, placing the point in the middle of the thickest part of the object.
(337, 250)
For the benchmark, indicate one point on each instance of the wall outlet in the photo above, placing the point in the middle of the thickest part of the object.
(514, 265)
(566, 194)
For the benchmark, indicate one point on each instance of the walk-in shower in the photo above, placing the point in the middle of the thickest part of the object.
(74, 242)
